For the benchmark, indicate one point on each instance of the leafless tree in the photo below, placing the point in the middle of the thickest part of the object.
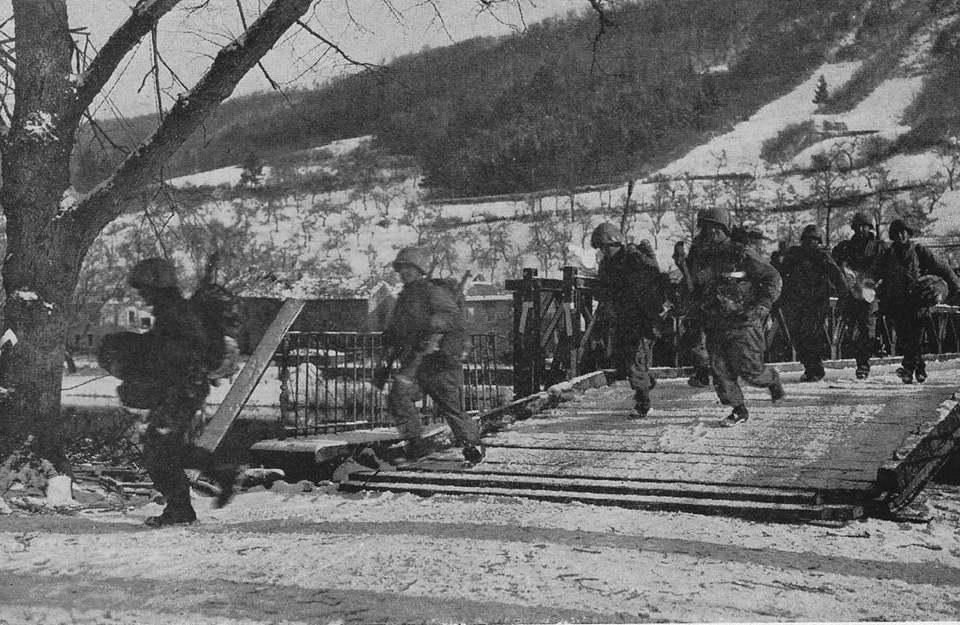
(48, 233)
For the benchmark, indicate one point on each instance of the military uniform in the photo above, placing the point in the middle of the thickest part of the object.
(166, 371)
(898, 268)
(857, 255)
(810, 277)
(423, 313)
(733, 291)
(693, 340)
(632, 289)
(177, 354)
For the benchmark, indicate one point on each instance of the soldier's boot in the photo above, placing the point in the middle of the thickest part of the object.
(415, 450)
(473, 454)
(905, 375)
(226, 480)
(777, 394)
(921, 373)
(863, 371)
(641, 408)
(700, 378)
(179, 511)
(739, 415)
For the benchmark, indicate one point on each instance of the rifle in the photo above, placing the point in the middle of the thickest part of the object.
(680, 258)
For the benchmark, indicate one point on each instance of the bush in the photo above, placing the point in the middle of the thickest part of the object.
(789, 142)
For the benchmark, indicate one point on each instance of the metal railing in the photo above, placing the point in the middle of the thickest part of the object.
(326, 381)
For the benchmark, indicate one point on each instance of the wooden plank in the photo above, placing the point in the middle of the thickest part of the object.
(249, 376)
(857, 488)
(594, 485)
(651, 461)
(745, 446)
(919, 457)
(755, 510)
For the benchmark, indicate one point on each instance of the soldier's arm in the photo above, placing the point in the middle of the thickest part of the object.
(835, 276)
(931, 263)
(766, 280)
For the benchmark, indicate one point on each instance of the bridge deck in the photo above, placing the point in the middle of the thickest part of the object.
(831, 449)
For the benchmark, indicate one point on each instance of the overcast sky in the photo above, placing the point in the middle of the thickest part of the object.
(366, 30)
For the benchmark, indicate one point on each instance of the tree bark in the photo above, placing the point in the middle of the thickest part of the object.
(46, 241)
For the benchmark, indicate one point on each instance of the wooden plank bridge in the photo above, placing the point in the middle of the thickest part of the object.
(833, 451)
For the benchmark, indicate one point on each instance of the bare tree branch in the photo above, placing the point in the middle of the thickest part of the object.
(105, 202)
(146, 15)
(335, 47)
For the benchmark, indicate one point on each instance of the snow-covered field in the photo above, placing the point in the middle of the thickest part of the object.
(737, 151)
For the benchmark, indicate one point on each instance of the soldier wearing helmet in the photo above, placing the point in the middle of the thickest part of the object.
(855, 256)
(426, 336)
(165, 370)
(733, 289)
(631, 288)
(899, 269)
(810, 278)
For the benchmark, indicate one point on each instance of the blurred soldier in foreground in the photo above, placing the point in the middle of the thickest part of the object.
(426, 337)
(632, 290)
(911, 280)
(855, 256)
(166, 371)
(733, 291)
(810, 277)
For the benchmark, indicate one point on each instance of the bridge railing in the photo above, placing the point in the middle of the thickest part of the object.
(558, 333)
(326, 381)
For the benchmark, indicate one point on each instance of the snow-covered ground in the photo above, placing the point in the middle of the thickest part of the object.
(304, 553)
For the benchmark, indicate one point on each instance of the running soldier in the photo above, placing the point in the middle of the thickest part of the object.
(733, 291)
(856, 256)
(907, 273)
(426, 337)
(167, 370)
(693, 341)
(810, 277)
(632, 290)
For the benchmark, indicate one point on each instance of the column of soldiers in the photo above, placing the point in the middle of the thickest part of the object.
(729, 290)
(727, 295)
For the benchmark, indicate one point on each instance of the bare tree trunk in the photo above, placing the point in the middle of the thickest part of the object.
(47, 244)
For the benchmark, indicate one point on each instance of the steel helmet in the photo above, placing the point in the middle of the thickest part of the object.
(416, 256)
(715, 215)
(897, 226)
(153, 273)
(860, 219)
(606, 234)
(812, 232)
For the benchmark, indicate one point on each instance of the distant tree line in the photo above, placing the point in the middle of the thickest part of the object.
(555, 107)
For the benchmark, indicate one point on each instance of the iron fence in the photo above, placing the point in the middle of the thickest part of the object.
(326, 381)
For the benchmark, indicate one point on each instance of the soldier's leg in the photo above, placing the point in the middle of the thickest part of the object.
(441, 378)
(810, 343)
(724, 376)
(906, 323)
(641, 380)
(747, 359)
(864, 320)
(401, 403)
(694, 343)
(164, 454)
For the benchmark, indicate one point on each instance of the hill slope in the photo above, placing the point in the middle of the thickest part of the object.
(327, 220)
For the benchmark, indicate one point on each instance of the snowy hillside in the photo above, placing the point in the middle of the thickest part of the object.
(350, 236)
